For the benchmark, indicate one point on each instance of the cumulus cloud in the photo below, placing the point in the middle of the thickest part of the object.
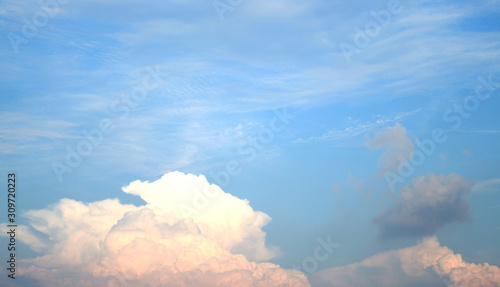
(189, 233)
(429, 202)
(425, 264)
(228, 219)
(396, 145)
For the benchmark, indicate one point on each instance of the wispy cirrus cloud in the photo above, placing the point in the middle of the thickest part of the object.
(20, 132)
(357, 128)
(490, 185)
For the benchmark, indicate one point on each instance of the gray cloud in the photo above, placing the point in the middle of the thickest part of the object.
(396, 145)
(428, 203)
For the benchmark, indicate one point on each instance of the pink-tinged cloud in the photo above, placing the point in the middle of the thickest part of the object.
(170, 241)
(426, 264)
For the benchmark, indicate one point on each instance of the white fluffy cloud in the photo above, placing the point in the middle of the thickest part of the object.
(219, 215)
(428, 203)
(397, 147)
(170, 241)
(426, 264)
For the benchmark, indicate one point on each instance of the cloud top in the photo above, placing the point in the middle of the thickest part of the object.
(425, 264)
(396, 145)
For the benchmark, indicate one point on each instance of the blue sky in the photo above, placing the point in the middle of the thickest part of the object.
(187, 91)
